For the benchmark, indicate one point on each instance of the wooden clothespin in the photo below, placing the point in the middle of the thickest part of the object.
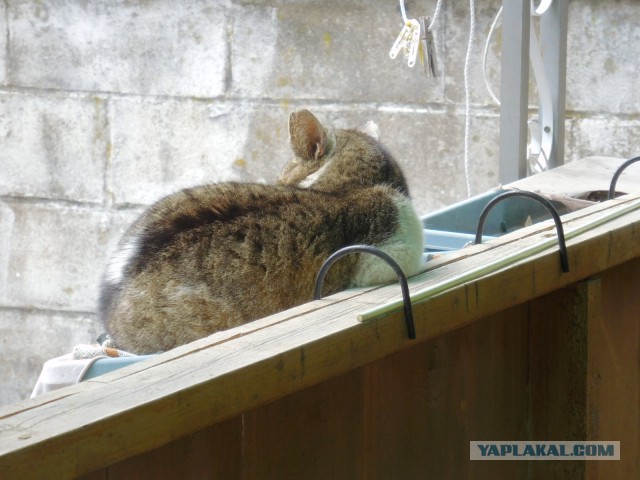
(428, 51)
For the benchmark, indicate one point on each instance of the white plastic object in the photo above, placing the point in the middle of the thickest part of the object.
(407, 41)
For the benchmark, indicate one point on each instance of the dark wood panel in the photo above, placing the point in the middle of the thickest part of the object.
(313, 434)
(477, 390)
(614, 372)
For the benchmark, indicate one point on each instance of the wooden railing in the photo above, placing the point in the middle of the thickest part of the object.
(526, 352)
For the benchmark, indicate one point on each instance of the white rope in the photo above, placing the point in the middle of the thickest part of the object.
(484, 57)
(467, 97)
(435, 15)
(404, 13)
(433, 19)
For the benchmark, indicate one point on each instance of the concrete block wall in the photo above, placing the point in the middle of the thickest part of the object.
(105, 106)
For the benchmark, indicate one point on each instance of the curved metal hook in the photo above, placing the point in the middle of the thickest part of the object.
(614, 180)
(408, 312)
(564, 261)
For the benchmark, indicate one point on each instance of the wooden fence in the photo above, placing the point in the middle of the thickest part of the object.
(525, 352)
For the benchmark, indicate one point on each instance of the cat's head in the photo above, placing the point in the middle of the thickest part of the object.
(331, 160)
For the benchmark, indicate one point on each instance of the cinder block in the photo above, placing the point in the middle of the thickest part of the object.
(56, 254)
(430, 148)
(610, 136)
(429, 145)
(52, 147)
(158, 48)
(30, 337)
(601, 71)
(7, 222)
(3, 43)
(336, 52)
(603, 48)
(160, 146)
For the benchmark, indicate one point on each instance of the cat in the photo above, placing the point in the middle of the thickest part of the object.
(216, 256)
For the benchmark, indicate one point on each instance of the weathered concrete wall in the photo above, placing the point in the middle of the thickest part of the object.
(107, 105)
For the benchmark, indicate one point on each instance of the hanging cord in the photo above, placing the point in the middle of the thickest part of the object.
(484, 57)
(403, 12)
(405, 39)
(536, 11)
(433, 20)
(435, 15)
(467, 97)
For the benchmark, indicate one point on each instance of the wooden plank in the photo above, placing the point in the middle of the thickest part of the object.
(97, 475)
(397, 432)
(312, 434)
(590, 174)
(614, 372)
(558, 371)
(215, 452)
(142, 408)
(477, 391)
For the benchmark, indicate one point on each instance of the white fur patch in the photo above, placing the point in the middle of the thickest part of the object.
(370, 128)
(120, 259)
(405, 247)
(313, 178)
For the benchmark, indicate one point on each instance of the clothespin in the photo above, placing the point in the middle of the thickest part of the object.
(408, 41)
(428, 52)
(415, 39)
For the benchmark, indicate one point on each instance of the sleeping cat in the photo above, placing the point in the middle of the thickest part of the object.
(215, 256)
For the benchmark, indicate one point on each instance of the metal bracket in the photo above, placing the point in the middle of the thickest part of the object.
(564, 261)
(408, 312)
(614, 180)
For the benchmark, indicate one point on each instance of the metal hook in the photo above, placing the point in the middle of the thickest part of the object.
(408, 312)
(564, 261)
(614, 180)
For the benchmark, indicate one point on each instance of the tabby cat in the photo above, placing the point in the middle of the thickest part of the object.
(215, 256)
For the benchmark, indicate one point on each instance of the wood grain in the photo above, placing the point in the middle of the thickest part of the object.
(141, 408)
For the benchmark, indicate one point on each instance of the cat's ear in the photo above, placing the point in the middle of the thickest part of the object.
(307, 136)
(370, 128)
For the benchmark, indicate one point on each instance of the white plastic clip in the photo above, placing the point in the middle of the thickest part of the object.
(401, 41)
(407, 41)
(414, 44)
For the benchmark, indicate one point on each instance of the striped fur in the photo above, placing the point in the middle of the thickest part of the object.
(216, 256)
